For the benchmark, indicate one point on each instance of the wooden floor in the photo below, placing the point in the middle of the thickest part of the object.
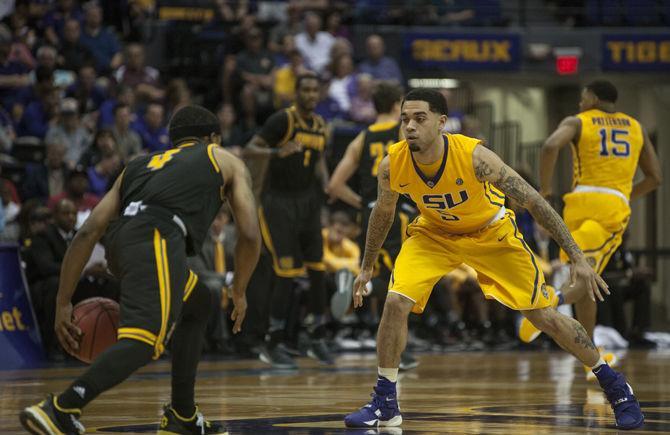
(464, 393)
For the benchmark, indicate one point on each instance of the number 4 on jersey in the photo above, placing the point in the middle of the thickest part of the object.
(159, 160)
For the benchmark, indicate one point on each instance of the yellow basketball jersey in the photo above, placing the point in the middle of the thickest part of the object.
(607, 152)
(453, 200)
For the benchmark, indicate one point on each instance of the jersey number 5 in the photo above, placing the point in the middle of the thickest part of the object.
(616, 144)
(159, 160)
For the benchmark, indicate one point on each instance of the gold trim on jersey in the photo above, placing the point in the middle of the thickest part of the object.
(210, 153)
(289, 128)
(382, 126)
(160, 252)
(137, 334)
(315, 265)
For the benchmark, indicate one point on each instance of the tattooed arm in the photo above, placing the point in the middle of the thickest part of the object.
(490, 168)
(380, 222)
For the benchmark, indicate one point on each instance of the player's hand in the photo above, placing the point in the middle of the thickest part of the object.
(360, 289)
(68, 334)
(583, 274)
(239, 311)
(289, 148)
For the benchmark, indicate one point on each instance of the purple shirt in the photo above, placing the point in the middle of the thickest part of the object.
(385, 69)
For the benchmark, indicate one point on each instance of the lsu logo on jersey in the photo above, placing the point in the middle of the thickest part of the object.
(442, 203)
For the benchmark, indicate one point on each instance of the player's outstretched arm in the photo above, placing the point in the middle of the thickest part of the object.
(247, 249)
(380, 222)
(489, 167)
(651, 168)
(337, 186)
(75, 259)
(568, 130)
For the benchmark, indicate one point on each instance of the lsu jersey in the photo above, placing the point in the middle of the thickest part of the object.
(608, 150)
(453, 200)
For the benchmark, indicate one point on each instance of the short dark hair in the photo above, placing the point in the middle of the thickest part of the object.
(436, 101)
(119, 106)
(192, 121)
(385, 96)
(308, 75)
(604, 90)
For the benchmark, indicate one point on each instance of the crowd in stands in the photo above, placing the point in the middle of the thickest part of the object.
(79, 99)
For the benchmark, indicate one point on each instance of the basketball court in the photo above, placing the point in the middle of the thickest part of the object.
(464, 393)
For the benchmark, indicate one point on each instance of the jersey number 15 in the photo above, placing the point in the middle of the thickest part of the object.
(615, 144)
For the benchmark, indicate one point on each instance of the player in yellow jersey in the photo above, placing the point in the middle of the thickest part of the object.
(459, 187)
(607, 147)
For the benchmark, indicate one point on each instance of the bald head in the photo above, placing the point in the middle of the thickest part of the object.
(65, 215)
(375, 47)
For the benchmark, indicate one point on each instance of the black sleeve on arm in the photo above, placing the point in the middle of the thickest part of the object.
(275, 128)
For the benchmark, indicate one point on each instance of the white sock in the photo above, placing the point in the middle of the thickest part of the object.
(600, 362)
(390, 374)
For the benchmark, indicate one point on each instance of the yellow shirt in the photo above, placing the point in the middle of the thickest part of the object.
(453, 200)
(284, 86)
(344, 256)
(607, 151)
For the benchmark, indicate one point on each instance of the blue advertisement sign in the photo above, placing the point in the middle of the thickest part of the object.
(636, 52)
(453, 51)
(20, 344)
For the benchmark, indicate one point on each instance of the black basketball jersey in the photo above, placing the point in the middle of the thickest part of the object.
(185, 181)
(297, 171)
(378, 138)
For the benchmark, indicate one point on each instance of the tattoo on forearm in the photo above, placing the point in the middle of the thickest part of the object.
(518, 189)
(379, 224)
(581, 337)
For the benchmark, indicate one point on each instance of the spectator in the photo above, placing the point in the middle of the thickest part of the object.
(13, 75)
(283, 54)
(314, 44)
(47, 58)
(328, 107)
(23, 43)
(152, 130)
(10, 208)
(340, 252)
(54, 21)
(100, 41)
(34, 219)
(343, 81)
(47, 179)
(178, 95)
(128, 141)
(290, 27)
(77, 191)
(362, 107)
(232, 136)
(125, 96)
(102, 175)
(73, 54)
(43, 261)
(69, 130)
(335, 27)
(379, 66)
(255, 66)
(7, 133)
(40, 114)
(88, 94)
(214, 266)
(284, 80)
(103, 145)
(145, 80)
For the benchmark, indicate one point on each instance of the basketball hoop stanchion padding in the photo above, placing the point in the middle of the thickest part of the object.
(20, 341)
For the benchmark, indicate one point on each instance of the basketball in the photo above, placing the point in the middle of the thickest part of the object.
(98, 319)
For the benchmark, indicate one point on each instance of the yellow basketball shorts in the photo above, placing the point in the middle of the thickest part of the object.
(506, 268)
(597, 222)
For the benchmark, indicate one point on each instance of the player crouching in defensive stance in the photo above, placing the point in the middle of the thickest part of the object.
(459, 187)
(158, 212)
